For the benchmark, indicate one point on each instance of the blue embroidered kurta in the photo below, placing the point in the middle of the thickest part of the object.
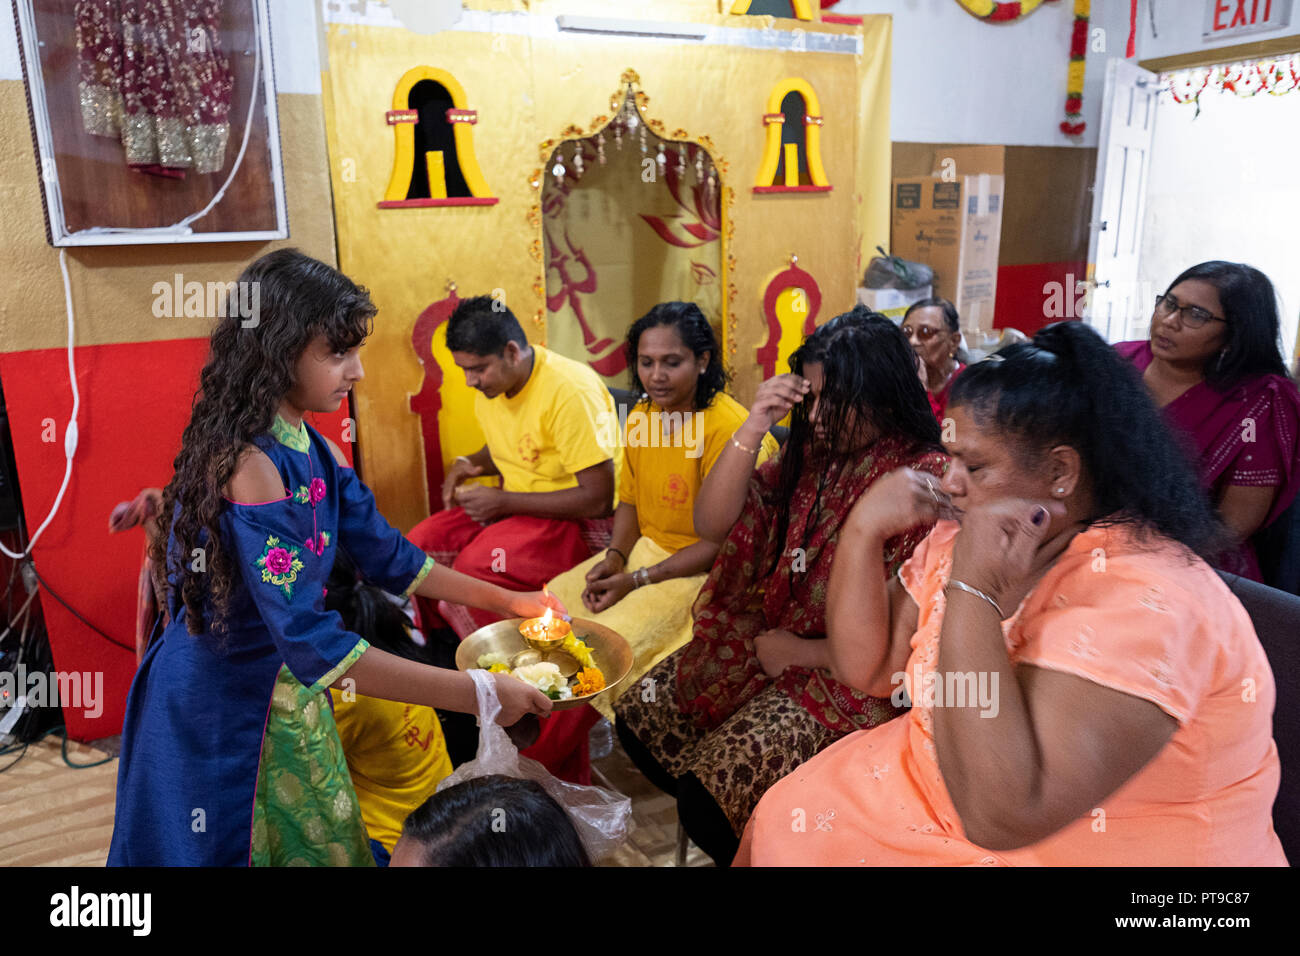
(201, 707)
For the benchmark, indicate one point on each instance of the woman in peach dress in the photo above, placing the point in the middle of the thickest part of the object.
(1085, 689)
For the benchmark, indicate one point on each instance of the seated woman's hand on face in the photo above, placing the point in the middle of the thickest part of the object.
(1004, 546)
(900, 500)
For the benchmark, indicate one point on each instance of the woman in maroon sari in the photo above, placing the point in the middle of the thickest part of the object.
(1213, 365)
(750, 698)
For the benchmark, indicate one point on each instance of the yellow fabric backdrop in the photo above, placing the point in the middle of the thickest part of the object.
(534, 92)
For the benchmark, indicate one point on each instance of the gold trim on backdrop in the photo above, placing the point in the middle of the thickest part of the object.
(630, 82)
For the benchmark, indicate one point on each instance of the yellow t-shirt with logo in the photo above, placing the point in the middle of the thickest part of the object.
(562, 421)
(396, 756)
(667, 459)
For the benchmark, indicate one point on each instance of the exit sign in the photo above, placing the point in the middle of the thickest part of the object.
(1234, 18)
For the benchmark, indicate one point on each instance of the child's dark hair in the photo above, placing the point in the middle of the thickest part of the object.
(696, 334)
(869, 374)
(494, 821)
(368, 611)
(248, 372)
(950, 318)
(1250, 307)
(483, 326)
(1068, 387)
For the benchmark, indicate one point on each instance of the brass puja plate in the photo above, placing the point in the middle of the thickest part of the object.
(610, 649)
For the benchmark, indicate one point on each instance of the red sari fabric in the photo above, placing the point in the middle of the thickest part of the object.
(1249, 435)
(939, 399)
(153, 73)
(745, 595)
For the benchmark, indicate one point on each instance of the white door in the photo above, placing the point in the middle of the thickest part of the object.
(1117, 306)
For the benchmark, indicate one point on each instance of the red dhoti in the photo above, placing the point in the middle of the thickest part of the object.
(519, 553)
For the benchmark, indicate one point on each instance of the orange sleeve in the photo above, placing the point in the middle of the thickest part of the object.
(1125, 624)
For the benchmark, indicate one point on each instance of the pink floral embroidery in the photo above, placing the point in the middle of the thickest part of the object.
(318, 543)
(280, 565)
(317, 491)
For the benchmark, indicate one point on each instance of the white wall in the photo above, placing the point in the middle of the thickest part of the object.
(1223, 186)
(958, 79)
(1178, 25)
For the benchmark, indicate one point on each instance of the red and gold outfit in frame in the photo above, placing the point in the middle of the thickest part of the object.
(153, 73)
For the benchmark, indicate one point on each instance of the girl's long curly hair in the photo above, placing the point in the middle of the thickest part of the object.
(249, 371)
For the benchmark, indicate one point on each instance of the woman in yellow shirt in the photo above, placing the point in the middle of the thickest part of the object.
(644, 584)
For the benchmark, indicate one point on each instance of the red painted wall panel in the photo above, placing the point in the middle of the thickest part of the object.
(1021, 299)
(135, 402)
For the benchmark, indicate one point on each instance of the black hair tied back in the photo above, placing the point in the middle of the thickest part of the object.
(1068, 387)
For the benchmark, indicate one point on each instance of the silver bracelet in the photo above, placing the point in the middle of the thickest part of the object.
(465, 459)
(641, 577)
(963, 586)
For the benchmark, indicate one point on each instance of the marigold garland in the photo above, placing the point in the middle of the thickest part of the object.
(1073, 124)
(997, 12)
(1275, 76)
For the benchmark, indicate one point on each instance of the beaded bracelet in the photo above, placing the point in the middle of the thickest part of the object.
(745, 448)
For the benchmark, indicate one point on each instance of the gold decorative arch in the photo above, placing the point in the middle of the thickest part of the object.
(774, 119)
(630, 79)
(403, 120)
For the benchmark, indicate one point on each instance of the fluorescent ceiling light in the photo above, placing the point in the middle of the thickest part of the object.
(631, 28)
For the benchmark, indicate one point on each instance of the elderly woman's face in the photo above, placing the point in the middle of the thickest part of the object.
(928, 333)
(986, 466)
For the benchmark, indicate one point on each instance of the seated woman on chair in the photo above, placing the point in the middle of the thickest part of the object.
(1085, 689)
(1214, 367)
(749, 698)
(644, 584)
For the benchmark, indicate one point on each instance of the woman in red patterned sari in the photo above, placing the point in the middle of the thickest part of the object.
(745, 702)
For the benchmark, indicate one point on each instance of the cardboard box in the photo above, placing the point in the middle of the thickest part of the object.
(955, 227)
(892, 302)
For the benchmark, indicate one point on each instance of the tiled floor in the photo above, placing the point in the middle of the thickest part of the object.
(652, 840)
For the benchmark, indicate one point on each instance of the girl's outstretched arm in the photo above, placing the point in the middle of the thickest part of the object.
(377, 673)
(445, 584)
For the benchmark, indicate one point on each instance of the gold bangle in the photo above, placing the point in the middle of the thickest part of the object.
(746, 449)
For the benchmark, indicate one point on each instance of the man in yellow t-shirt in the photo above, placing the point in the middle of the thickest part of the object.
(551, 429)
(550, 425)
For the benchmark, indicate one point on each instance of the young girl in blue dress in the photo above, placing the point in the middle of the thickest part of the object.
(230, 755)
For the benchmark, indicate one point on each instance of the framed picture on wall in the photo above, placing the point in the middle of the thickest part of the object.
(153, 122)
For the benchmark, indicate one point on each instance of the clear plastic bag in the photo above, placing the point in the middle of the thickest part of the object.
(600, 816)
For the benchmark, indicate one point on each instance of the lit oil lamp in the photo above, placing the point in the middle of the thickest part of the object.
(545, 633)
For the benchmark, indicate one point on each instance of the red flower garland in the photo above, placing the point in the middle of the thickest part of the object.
(1073, 124)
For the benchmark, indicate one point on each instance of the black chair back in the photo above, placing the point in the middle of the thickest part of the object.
(1276, 616)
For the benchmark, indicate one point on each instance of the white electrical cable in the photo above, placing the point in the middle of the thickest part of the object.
(182, 228)
(70, 437)
(70, 434)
